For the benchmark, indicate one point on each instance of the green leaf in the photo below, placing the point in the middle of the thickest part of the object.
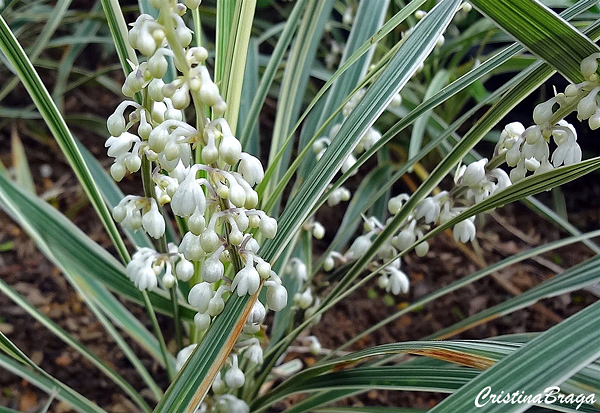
(118, 30)
(270, 71)
(543, 32)
(547, 360)
(401, 67)
(67, 246)
(21, 165)
(479, 354)
(468, 280)
(575, 278)
(233, 78)
(249, 94)
(418, 131)
(293, 86)
(74, 343)
(195, 378)
(367, 21)
(42, 380)
(38, 92)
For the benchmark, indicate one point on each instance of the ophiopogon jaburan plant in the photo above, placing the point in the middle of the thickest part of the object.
(214, 243)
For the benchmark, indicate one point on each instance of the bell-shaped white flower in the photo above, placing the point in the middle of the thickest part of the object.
(188, 197)
(257, 313)
(428, 209)
(464, 231)
(568, 153)
(254, 353)
(397, 282)
(153, 221)
(200, 295)
(247, 280)
(474, 173)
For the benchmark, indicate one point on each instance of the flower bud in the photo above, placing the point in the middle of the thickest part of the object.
(251, 169)
(199, 296)
(168, 280)
(268, 226)
(202, 321)
(116, 124)
(276, 297)
(230, 149)
(158, 65)
(234, 376)
(158, 139)
(318, 231)
(212, 270)
(117, 171)
(587, 106)
(184, 270)
(543, 112)
(589, 65)
(209, 241)
(422, 249)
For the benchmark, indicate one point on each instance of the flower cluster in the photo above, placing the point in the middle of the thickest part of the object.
(528, 149)
(198, 172)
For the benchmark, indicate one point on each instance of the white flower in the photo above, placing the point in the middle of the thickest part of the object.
(200, 295)
(464, 231)
(119, 145)
(153, 221)
(257, 313)
(247, 280)
(188, 197)
(234, 376)
(276, 296)
(474, 173)
(183, 355)
(428, 209)
(398, 281)
(568, 153)
(251, 169)
(254, 353)
(359, 247)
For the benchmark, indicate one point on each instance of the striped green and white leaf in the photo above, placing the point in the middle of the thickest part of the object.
(18, 363)
(38, 92)
(401, 67)
(68, 247)
(547, 360)
(543, 32)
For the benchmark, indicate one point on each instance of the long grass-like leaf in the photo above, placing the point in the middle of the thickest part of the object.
(547, 360)
(38, 92)
(50, 385)
(543, 32)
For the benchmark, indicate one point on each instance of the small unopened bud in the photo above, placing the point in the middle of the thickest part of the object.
(276, 297)
(268, 226)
